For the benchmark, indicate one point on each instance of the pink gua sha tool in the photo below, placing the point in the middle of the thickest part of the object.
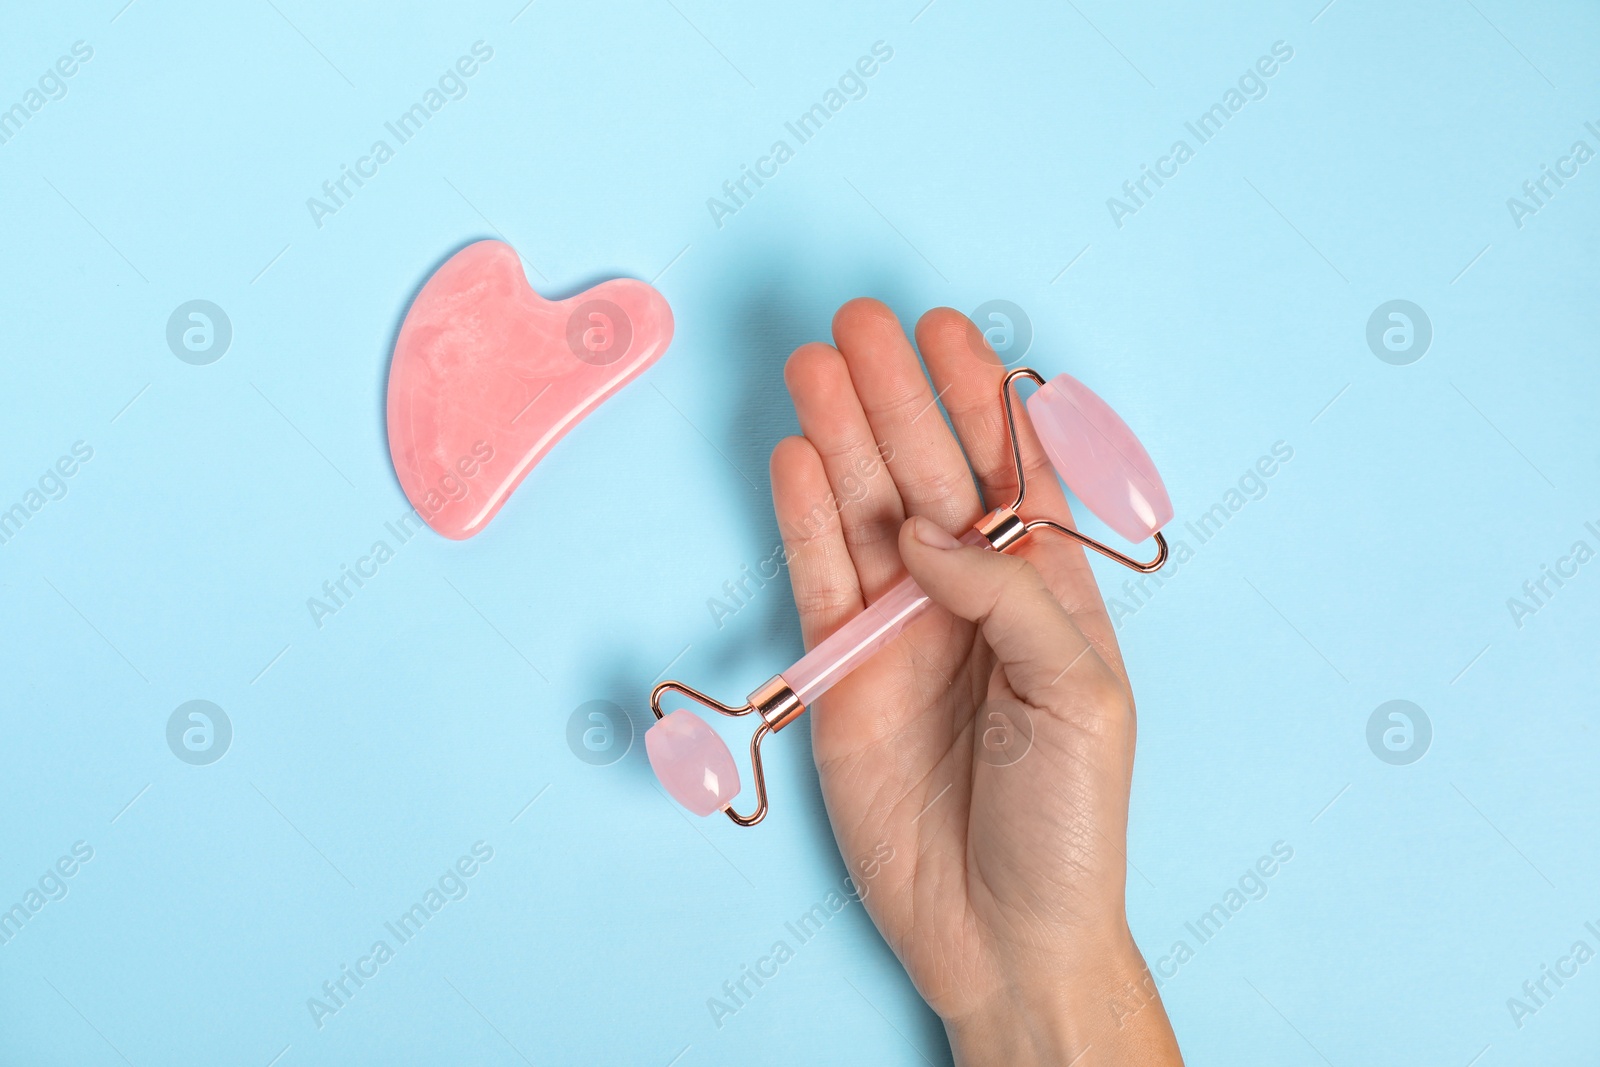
(488, 375)
(1093, 451)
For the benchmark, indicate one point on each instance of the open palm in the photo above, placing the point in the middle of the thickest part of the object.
(977, 772)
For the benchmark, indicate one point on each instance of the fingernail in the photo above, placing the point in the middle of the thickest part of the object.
(931, 535)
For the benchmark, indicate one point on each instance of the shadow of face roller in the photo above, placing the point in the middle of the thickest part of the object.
(1090, 448)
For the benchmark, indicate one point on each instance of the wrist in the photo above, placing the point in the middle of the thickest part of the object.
(1105, 1012)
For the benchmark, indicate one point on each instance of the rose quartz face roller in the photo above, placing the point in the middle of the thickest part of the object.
(1093, 451)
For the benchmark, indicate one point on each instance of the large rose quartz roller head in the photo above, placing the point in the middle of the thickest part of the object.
(1099, 458)
(1093, 451)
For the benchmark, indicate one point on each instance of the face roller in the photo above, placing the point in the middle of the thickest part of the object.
(1093, 451)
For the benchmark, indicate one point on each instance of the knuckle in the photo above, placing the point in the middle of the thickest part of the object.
(906, 404)
(1016, 581)
(1094, 699)
(1021, 579)
(825, 598)
(871, 531)
(946, 493)
(1104, 690)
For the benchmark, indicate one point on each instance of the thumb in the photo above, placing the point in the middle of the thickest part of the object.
(1037, 642)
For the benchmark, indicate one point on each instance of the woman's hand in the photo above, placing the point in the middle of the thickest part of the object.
(978, 766)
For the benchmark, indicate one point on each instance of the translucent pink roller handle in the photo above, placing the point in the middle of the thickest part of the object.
(857, 640)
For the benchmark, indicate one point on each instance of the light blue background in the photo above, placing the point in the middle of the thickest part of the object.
(1227, 315)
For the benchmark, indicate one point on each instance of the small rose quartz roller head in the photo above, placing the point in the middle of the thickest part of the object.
(1093, 451)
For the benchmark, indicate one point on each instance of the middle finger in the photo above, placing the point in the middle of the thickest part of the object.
(927, 464)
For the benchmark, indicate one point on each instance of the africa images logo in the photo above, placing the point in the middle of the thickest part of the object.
(199, 732)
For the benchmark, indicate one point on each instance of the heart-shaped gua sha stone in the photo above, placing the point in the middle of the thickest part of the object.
(488, 375)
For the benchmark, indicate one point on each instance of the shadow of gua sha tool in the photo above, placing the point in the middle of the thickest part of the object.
(488, 375)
